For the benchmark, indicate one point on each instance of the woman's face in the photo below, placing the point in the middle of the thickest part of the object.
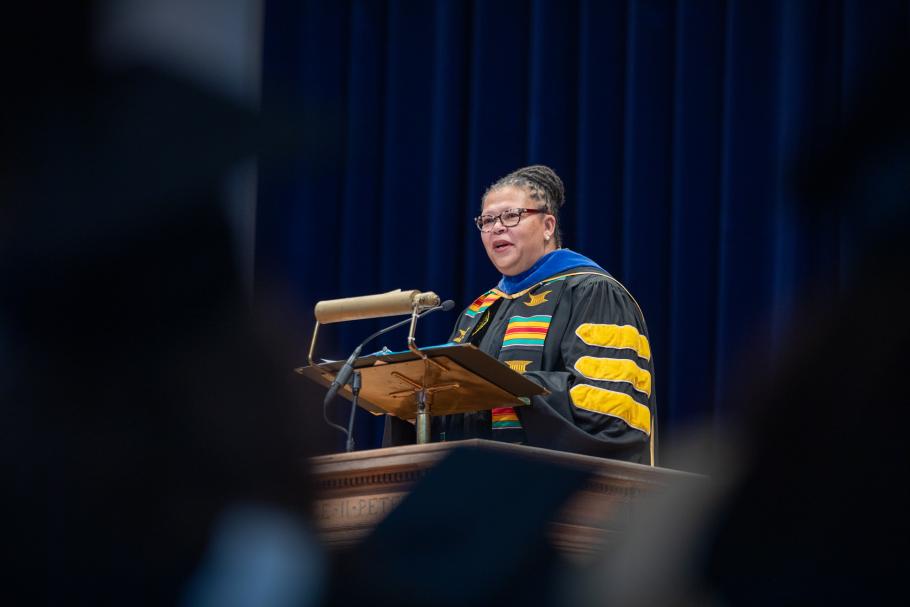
(513, 250)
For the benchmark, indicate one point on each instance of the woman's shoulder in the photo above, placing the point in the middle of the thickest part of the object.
(598, 288)
(591, 278)
(596, 283)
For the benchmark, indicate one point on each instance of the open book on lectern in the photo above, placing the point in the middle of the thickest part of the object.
(457, 378)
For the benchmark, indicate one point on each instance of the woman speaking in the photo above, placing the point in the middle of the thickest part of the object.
(565, 323)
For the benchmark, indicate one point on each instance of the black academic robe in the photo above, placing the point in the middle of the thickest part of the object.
(595, 362)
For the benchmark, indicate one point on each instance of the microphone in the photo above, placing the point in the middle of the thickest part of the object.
(344, 375)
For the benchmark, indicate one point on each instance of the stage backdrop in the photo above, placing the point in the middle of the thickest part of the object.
(673, 125)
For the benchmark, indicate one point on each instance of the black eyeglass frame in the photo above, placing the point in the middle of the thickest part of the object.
(521, 212)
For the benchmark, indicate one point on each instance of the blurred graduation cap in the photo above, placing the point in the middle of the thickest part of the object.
(472, 532)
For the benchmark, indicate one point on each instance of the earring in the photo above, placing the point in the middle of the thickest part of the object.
(546, 237)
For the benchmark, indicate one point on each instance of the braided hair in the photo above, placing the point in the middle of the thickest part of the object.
(542, 184)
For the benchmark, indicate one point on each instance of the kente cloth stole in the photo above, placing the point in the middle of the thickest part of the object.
(522, 346)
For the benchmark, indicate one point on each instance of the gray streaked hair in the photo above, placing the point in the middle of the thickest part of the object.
(542, 184)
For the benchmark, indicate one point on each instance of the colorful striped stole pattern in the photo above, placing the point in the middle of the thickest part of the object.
(505, 418)
(481, 303)
(526, 331)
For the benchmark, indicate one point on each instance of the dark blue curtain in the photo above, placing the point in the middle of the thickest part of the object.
(673, 124)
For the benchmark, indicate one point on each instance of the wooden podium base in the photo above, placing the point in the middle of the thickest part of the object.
(357, 490)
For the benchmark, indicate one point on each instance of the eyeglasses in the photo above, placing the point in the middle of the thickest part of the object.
(509, 218)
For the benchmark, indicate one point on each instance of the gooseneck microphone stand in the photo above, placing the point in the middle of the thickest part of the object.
(344, 375)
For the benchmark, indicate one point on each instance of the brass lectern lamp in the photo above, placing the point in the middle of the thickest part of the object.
(416, 383)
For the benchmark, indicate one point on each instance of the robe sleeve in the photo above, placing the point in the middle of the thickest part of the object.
(601, 394)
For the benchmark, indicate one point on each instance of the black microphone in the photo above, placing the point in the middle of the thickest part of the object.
(344, 375)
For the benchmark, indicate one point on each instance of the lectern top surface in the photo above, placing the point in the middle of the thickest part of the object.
(458, 379)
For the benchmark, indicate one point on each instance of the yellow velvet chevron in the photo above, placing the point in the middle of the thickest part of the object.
(615, 404)
(622, 337)
(615, 369)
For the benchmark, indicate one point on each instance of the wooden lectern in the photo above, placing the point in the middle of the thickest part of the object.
(438, 380)
(355, 491)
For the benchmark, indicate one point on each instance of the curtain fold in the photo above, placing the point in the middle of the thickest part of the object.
(697, 158)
